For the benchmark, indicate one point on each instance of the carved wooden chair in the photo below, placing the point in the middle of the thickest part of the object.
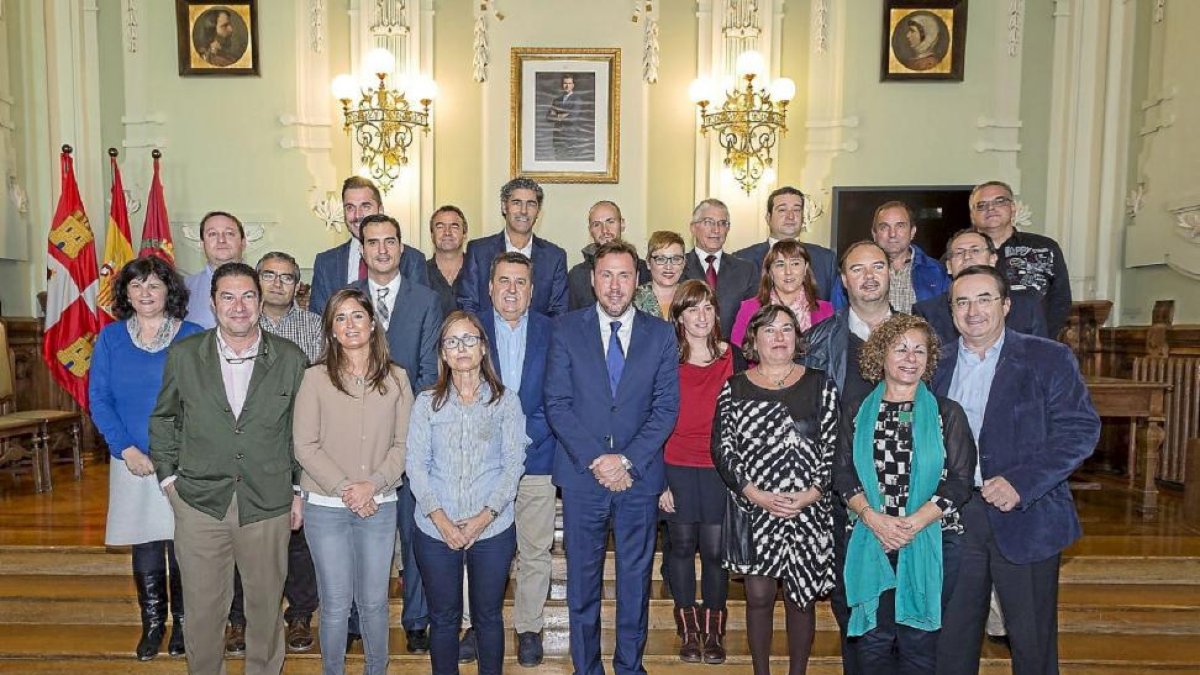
(53, 424)
(20, 437)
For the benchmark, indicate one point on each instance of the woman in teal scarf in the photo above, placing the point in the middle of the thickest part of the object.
(905, 462)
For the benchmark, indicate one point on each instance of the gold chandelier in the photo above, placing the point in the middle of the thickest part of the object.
(384, 121)
(748, 124)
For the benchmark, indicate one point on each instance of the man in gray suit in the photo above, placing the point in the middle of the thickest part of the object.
(732, 278)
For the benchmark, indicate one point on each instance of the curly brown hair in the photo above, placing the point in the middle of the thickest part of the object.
(874, 353)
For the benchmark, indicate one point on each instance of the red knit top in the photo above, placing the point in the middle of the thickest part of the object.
(698, 388)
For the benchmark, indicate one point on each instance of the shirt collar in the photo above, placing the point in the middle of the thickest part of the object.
(501, 322)
(702, 255)
(224, 349)
(288, 316)
(860, 327)
(527, 251)
(988, 354)
(626, 319)
(393, 286)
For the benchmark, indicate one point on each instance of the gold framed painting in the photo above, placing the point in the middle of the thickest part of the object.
(565, 115)
(924, 40)
(217, 38)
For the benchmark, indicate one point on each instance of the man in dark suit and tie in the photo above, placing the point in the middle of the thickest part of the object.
(520, 339)
(344, 264)
(785, 218)
(612, 395)
(1034, 424)
(412, 319)
(732, 278)
(520, 204)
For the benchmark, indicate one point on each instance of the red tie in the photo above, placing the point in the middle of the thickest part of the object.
(711, 275)
(362, 268)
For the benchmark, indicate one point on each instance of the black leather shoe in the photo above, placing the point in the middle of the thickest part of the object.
(529, 649)
(299, 635)
(467, 647)
(418, 641)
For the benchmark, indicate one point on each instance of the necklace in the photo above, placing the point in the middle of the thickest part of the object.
(778, 382)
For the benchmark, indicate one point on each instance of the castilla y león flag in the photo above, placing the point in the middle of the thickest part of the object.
(71, 281)
(118, 247)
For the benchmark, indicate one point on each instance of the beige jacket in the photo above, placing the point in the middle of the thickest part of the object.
(342, 439)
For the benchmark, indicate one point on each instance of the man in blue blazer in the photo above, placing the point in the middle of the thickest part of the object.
(785, 218)
(612, 395)
(520, 204)
(1034, 424)
(332, 268)
(520, 340)
(411, 317)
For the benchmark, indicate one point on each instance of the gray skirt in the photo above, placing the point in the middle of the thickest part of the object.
(138, 511)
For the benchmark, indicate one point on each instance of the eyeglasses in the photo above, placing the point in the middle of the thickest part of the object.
(997, 203)
(287, 278)
(982, 302)
(238, 360)
(711, 223)
(455, 341)
(665, 260)
(972, 252)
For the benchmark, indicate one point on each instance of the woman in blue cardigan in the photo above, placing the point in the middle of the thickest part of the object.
(126, 374)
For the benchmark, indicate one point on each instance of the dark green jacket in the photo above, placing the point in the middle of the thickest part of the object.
(195, 437)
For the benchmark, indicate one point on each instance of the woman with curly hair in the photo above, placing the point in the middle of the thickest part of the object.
(127, 365)
(904, 466)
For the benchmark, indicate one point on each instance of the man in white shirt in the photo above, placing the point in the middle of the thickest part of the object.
(730, 277)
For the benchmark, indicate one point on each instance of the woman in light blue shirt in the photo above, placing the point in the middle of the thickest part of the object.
(466, 453)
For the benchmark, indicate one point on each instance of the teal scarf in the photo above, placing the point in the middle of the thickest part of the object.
(918, 574)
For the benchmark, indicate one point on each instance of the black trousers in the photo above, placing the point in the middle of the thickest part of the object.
(1028, 595)
(300, 588)
(837, 601)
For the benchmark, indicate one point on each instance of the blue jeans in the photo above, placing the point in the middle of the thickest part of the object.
(900, 649)
(353, 559)
(487, 564)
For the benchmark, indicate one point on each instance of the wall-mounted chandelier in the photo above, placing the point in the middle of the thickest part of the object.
(385, 120)
(751, 119)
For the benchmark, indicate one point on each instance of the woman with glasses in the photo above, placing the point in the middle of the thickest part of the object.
(127, 366)
(666, 259)
(787, 279)
(466, 454)
(350, 429)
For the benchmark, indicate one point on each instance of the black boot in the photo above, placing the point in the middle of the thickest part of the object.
(175, 644)
(152, 600)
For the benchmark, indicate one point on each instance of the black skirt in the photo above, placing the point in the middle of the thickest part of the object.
(700, 495)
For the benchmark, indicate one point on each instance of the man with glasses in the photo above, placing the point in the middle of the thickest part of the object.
(411, 318)
(785, 218)
(967, 248)
(221, 442)
(605, 224)
(913, 275)
(1029, 262)
(730, 277)
(1034, 424)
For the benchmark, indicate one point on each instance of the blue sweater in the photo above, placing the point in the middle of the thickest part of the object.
(123, 385)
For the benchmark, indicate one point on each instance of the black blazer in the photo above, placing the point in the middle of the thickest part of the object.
(737, 280)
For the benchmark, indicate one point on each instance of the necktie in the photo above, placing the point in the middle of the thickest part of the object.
(362, 268)
(615, 358)
(381, 307)
(710, 275)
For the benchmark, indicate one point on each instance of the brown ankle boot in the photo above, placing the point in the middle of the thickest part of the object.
(714, 635)
(689, 649)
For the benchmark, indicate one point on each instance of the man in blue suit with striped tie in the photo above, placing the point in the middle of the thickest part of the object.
(612, 395)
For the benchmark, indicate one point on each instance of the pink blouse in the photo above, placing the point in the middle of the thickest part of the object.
(749, 307)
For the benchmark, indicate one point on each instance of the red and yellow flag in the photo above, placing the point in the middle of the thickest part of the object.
(71, 281)
(156, 231)
(118, 246)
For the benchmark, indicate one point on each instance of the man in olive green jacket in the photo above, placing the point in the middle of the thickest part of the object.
(221, 441)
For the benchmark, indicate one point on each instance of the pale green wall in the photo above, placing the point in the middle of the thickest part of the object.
(672, 122)
(1037, 71)
(457, 177)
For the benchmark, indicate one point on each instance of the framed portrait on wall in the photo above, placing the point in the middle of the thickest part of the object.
(217, 38)
(565, 115)
(924, 40)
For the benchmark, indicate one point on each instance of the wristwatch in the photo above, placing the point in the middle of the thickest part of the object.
(494, 512)
(626, 463)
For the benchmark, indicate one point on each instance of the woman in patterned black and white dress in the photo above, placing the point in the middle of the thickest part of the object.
(773, 444)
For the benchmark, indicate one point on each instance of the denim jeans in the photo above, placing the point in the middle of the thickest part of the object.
(353, 559)
(487, 562)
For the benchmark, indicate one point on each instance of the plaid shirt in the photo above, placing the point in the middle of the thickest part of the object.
(900, 291)
(300, 326)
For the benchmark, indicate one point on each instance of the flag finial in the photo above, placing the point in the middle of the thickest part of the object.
(156, 154)
(112, 152)
(67, 149)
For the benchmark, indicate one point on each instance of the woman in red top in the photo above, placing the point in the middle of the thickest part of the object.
(694, 500)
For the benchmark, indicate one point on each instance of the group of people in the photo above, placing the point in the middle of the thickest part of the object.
(884, 429)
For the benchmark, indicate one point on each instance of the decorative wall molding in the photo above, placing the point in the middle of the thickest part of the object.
(1186, 217)
(316, 26)
(1160, 11)
(741, 31)
(1135, 201)
(650, 47)
(256, 229)
(131, 25)
(390, 17)
(1016, 24)
(17, 195)
(820, 26)
(328, 209)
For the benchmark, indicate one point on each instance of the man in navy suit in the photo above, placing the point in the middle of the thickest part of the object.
(730, 277)
(785, 218)
(612, 395)
(412, 319)
(520, 340)
(971, 247)
(1034, 424)
(520, 204)
(344, 264)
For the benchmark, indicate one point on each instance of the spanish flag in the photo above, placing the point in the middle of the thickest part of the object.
(72, 278)
(156, 231)
(118, 245)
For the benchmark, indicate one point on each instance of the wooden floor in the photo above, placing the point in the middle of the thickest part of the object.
(1130, 598)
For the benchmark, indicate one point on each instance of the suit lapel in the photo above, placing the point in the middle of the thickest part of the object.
(489, 327)
(1004, 392)
(590, 329)
(693, 269)
(535, 343)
